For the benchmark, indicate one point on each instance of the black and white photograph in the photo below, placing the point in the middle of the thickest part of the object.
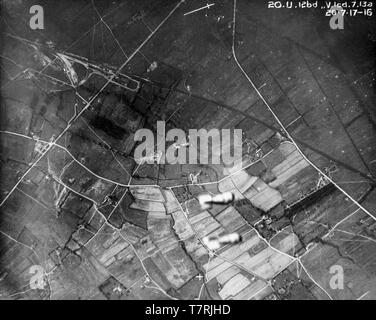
(187, 150)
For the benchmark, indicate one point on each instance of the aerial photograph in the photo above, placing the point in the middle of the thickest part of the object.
(187, 150)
